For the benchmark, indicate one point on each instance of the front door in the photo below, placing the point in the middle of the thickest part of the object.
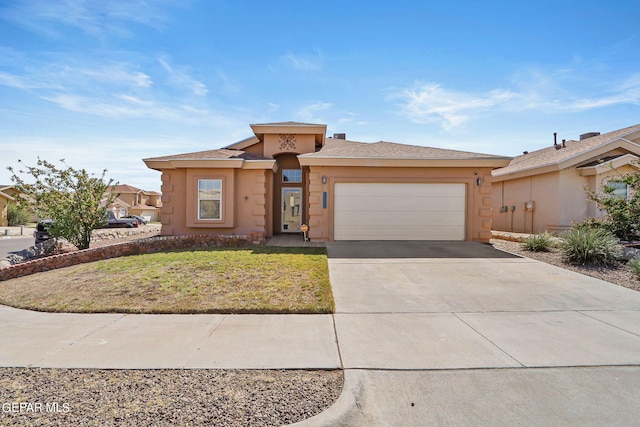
(291, 210)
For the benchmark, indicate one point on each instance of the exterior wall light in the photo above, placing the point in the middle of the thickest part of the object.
(324, 179)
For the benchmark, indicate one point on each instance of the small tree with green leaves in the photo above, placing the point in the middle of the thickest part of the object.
(74, 200)
(16, 215)
(623, 214)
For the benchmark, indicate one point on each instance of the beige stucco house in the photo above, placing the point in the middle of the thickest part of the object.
(6, 196)
(545, 190)
(289, 174)
(134, 201)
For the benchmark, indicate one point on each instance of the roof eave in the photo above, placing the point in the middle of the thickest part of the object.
(6, 196)
(209, 164)
(626, 160)
(401, 162)
(569, 161)
(241, 145)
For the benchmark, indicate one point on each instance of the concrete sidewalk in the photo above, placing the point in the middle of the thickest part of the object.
(122, 341)
(20, 230)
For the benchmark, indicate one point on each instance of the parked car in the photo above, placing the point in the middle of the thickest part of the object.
(115, 222)
(141, 220)
(42, 228)
(42, 231)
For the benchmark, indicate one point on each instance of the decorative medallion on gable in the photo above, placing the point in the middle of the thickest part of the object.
(287, 141)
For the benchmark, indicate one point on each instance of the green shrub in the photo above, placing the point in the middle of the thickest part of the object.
(634, 265)
(16, 215)
(594, 224)
(590, 246)
(622, 213)
(538, 242)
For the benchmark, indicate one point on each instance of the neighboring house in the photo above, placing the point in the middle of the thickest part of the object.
(6, 196)
(545, 190)
(134, 201)
(290, 174)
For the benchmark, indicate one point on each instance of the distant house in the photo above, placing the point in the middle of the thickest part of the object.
(544, 190)
(291, 174)
(134, 201)
(7, 193)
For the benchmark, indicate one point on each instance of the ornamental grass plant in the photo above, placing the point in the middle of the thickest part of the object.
(582, 245)
(634, 266)
(538, 242)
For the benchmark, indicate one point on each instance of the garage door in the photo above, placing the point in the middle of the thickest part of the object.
(377, 211)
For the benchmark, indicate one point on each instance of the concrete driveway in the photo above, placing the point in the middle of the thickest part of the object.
(435, 333)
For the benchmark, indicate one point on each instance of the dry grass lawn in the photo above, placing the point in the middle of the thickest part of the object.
(245, 280)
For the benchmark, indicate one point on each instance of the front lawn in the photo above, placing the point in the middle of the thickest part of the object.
(226, 280)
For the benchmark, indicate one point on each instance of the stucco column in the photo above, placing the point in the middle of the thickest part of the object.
(318, 229)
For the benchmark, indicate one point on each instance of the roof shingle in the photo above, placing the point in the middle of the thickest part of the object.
(222, 153)
(552, 155)
(340, 148)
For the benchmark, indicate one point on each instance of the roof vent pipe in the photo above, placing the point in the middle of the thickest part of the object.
(564, 143)
(555, 141)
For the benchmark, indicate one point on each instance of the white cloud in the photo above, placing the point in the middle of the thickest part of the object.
(180, 76)
(309, 113)
(98, 19)
(303, 63)
(430, 102)
(117, 73)
(548, 93)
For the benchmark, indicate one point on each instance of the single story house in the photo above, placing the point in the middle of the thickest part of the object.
(290, 174)
(544, 190)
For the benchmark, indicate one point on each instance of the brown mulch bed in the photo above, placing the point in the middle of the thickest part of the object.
(618, 274)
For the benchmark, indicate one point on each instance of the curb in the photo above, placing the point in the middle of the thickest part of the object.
(347, 410)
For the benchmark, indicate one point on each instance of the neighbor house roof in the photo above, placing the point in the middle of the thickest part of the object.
(572, 153)
(124, 188)
(6, 196)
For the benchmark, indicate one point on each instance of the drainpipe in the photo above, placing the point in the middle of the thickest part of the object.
(513, 208)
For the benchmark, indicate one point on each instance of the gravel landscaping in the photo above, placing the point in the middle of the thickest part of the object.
(618, 274)
(90, 397)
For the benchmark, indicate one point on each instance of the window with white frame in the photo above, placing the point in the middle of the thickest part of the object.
(620, 189)
(291, 175)
(210, 199)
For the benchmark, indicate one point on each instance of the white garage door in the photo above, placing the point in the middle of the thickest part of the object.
(388, 211)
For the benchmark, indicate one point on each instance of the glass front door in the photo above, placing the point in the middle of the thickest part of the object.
(291, 209)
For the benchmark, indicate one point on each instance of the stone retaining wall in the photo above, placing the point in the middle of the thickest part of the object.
(117, 233)
(142, 246)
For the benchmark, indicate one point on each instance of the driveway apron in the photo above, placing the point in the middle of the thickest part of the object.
(446, 332)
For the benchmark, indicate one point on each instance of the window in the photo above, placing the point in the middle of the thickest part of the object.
(619, 189)
(210, 199)
(291, 175)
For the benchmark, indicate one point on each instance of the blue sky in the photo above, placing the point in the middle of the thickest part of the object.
(104, 84)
